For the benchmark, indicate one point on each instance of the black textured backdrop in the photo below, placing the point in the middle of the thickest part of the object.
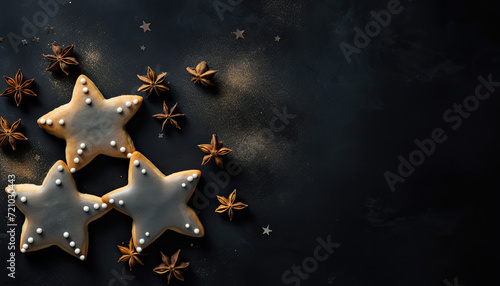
(320, 176)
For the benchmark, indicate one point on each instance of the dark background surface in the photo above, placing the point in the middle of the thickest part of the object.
(322, 175)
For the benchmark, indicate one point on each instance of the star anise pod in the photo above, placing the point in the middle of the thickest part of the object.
(18, 87)
(7, 134)
(153, 82)
(169, 266)
(62, 59)
(130, 254)
(214, 150)
(201, 74)
(229, 205)
(168, 116)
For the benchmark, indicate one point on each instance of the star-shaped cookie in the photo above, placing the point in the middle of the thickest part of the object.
(156, 202)
(56, 213)
(91, 124)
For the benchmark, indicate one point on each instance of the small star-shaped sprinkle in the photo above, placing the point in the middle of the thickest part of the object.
(129, 254)
(145, 26)
(267, 230)
(229, 205)
(143, 48)
(36, 40)
(170, 266)
(49, 29)
(1, 39)
(156, 202)
(37, 157)
(160, 135)
(239, 34)
(104, 134)
(56, 213)
(25, 42)
(277, 38)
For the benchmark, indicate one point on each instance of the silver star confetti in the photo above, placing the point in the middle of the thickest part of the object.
(1, 39)
(145, 26)
(267, 230)
(143, 48)
(25, 42)
(49, 29)
(36, 40)
(160, 135)
(239, 34)
(277, 38)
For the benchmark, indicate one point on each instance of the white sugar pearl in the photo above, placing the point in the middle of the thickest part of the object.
(60, 168)
(138, 249)
(144, 171)
(72, 244)
(76, 160)
(23, 250)
(195, 176)
(129, 155)
(83, 81)
(23, 199)
(137, 163)
(113, 143)
(66, 234)
(183, 185)
(196, 230)
(88, 101)
(30, 240)
(82, 145)
(79, 151)
(61, 122)
(77, 251)
(42, 121)
(86, 208)
(135, 101)
(39, 230)
(49, 122)
(187, 225)
(190, 179)
(128, 104)
(141, 241)
(85, 90)
(25, 246)
(122, 149)
(58, 182)
(147, 233)
(119, 110)
(104, 205)
(111, 201)
(82, 257)
(120, 202)
(72, 170)
(96, 206)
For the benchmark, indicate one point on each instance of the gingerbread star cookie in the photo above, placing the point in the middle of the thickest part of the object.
(91, 124)
(156, 202)
(56, 213)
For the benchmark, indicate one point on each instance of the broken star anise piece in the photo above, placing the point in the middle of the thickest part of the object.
(169, 266)
(202, 74)
(18, 87)
(214, 150)
(229, 205)
(130, 254)
(168, 116)
(153, 82)
(62, 59)
(7, 134)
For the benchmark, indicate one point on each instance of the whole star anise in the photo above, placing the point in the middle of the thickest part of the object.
(130, 254)
(153, 82)
(168, 116)
(62, 59)
(18, 87)
(214, 150)
(7, 134)
(229, 205)
(169, 266)
(201, 74)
